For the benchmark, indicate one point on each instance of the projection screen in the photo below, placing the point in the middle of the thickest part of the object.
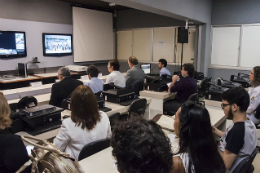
(92, 35)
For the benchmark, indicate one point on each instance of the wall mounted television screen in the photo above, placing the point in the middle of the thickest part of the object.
(12, 44)
(57, 44)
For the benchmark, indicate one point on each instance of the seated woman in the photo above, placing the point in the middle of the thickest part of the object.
(254, 93)
(13, 153)
(86, 124)
(198, 151)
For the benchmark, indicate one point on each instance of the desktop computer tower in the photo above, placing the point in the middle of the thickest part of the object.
(22, 69)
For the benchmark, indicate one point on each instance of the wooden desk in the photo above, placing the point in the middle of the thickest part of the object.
(158, 98)
(19, 82)
(18, 79)
(102, 161)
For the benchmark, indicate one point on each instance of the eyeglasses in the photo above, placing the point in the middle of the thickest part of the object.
(224, 105)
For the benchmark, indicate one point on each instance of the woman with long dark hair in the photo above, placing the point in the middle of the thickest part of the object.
(86, 124)
(254, 93)
(198, 150)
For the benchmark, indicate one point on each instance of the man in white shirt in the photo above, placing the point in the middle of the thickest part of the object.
(162, 66)
(115, 76)
(94, 83)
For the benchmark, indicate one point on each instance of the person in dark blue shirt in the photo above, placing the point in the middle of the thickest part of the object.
(184, 87)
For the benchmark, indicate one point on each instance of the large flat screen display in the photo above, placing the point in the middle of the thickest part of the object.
(57, 44)
(12, 44)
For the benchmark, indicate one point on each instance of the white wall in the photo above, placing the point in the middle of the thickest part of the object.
(33, 31)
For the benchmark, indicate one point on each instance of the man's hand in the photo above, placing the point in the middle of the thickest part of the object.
(175, 78)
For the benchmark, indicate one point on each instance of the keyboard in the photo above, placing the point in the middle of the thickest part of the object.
(45, 128)
(105, 109)
(128, 102)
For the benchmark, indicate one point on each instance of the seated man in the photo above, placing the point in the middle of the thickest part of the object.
(134, 74)
(115, 76)
(94, 83)
(240, 139)
(185, 87)
(162, 66)
(64, 88)
(141, 146)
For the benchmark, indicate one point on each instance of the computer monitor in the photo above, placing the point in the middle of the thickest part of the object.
(12, 44)
(146, 68)
(22, 69)
(57, 44)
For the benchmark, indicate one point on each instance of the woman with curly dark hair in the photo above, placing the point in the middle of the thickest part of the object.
(198, 151)
(254, 93)
(140, 146)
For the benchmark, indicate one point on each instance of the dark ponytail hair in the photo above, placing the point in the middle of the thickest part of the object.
(196, 138)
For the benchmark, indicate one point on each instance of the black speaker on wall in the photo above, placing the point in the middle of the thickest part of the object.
(182, 35)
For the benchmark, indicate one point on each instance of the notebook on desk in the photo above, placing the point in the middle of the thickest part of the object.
(166, 122)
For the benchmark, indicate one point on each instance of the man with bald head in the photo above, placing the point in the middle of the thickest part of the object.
(64, 88)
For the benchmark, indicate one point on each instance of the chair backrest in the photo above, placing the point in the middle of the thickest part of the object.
(27, 101)
(93, 148)
(138, 106)
(245, 165)
(257, 112)
(138, 86)
(194, 97)
(114, 118)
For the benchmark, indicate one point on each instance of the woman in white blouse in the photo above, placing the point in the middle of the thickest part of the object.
(254, 93)
(86, 124)
(115, 76)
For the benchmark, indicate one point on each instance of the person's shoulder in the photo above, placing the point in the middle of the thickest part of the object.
(68, 123)
(238, 127)
(104, 116)
(12, 139)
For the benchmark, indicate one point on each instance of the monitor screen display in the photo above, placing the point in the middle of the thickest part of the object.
(146, 68)
(57, 44)
(12, 44)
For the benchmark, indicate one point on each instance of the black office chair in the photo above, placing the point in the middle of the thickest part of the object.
(27, 102)
(137, 106)
(194, 97)
(203, 88)
(138, 86)
(245, 166)
(93, 148)
(114, 119)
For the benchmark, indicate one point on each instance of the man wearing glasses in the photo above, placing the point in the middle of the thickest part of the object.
(240, 139)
